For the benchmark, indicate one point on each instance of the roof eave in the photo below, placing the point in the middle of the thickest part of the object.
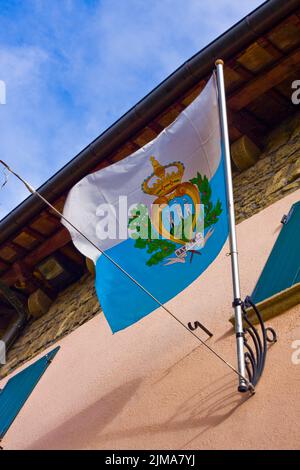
(185, 77)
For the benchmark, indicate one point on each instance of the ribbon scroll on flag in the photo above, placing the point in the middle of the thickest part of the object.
(160, 213)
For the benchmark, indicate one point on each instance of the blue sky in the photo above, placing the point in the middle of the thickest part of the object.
(73, 67)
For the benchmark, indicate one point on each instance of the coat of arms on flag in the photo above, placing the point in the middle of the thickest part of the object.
(179, 214)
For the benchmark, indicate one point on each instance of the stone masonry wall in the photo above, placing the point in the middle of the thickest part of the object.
(276, 173)
(73, 307)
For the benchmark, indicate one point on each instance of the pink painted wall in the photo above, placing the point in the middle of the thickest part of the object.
(153, 386)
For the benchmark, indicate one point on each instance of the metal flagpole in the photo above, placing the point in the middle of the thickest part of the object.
(243, 383)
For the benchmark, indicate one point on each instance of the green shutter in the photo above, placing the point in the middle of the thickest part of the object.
(18, 389)
(282, 270)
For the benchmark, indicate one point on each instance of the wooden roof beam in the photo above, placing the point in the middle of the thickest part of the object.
(49, 246)
(33, 233)
(264, 42)
(248, 125)
(19, 250)
(24, 277)
(4, 265)
(248, 75)
(292, 19)
(155, 127)
(58, 240)
(263, 83)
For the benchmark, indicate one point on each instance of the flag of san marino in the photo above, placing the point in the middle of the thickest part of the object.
(160, 214)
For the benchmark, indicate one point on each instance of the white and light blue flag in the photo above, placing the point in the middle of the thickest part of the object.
(160, 213)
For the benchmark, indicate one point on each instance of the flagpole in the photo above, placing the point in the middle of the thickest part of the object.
(243, 386)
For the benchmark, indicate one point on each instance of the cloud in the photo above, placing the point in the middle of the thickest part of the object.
(73, 68)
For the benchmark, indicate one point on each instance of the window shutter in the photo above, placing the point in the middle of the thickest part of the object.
(282, 269)
(18, 388)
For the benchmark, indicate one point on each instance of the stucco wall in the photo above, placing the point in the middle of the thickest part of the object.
(276, 174)
(153, 386)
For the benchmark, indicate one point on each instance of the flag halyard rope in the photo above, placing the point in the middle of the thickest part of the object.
(32, 190)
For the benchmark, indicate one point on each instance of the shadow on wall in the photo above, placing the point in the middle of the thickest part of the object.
(82, 429)
(202, 411)
(213, 409)
(200, 414)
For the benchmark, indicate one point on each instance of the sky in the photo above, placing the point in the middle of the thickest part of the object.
(71, 68)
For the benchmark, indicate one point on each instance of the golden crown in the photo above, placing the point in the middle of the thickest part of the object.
(165, 182)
